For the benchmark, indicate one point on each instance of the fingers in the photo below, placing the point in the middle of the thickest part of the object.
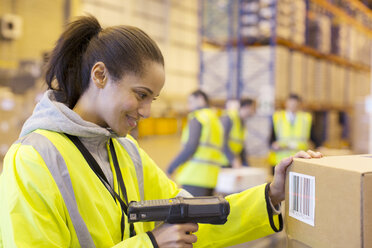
(189, 227)
(185, 231)
(302, 154)
(284, 163)
(308, 154)
(175, 235)
(314, 154)
(189, 238)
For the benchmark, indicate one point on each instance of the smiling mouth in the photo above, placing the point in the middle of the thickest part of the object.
(132, 121)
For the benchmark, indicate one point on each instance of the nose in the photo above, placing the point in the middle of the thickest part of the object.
(144, 110)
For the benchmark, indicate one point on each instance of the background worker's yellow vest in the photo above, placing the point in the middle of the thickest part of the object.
(237, 132)
(291, 137)
(203, 167)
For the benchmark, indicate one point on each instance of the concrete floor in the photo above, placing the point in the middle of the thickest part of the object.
(162, 149)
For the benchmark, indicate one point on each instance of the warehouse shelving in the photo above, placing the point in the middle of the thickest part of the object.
(317, 54)
(233, 40)
(338, 61)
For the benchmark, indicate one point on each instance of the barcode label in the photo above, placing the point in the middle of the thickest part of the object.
(302, 197)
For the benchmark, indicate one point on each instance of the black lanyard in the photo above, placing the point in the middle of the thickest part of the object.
(98, 171)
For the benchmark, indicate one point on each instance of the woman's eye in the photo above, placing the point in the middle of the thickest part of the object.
(142, 95)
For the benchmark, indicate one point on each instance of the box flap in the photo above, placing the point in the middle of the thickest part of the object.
(358, 163)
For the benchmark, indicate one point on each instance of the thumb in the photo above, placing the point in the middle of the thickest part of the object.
(284, 163)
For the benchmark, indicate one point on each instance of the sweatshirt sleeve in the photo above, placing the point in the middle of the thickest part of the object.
(190, 147)
(251, 217)
(226, 123)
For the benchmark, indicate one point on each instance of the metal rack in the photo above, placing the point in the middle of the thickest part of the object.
(232, 63)
(229, 44)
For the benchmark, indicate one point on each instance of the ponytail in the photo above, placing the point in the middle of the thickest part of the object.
(66, 59)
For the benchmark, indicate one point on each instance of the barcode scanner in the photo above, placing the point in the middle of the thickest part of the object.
(210, 210)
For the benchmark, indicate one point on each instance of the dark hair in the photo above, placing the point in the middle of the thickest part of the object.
(246, 102)
(83, 43)
(294, 97)
(201, 93)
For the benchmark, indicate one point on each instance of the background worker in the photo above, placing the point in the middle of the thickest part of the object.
(68, 179)
(199, 161)
(291, 130)
(234, 124)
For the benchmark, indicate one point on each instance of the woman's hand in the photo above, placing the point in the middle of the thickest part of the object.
(175, 235)
(277, 189)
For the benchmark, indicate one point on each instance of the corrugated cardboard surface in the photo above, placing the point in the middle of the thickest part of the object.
(343, 189)
(367, 209)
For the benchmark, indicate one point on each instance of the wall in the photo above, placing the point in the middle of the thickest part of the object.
(42, 24)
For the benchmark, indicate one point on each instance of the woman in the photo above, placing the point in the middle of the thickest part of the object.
(67, 181)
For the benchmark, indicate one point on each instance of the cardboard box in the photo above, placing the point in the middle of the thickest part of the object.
(236, 180)
(281, 73)
(329, 202)
(361, 127)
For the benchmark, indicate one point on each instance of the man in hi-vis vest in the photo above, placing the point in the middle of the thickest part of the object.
(291, 130)
(235, 131)
(201, 158)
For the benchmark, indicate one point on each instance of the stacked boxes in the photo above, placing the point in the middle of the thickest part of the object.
(297, 73)
(249, 19)
(310, 80)
(299, 16)
(281, 73)
(337, 85)
(360, 47)
(216, 76)
(360, 127)
(256, 18)
(216, 12)
(237, 180)
(334, 129)
(320, 81)
(345, 40)
(284, 19)
(291, 20)
(324, 43)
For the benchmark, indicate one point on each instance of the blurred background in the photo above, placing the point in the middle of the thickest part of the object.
(262, 49)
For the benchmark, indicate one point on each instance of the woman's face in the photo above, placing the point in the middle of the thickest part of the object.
(122, 103)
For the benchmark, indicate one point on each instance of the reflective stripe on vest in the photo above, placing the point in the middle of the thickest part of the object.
(58, 168)
(133, 152)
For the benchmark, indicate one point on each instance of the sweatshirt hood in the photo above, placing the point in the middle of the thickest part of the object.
(53, 115)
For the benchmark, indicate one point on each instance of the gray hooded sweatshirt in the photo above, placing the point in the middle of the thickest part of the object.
(50, 114)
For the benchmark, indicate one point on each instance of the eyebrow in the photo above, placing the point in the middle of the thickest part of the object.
(147, 89)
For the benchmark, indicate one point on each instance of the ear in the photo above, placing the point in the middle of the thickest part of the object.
(99, 75)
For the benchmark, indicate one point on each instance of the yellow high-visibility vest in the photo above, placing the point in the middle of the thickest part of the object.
(33, 212)
(237, 133)
(203, 167)
(292, 137)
